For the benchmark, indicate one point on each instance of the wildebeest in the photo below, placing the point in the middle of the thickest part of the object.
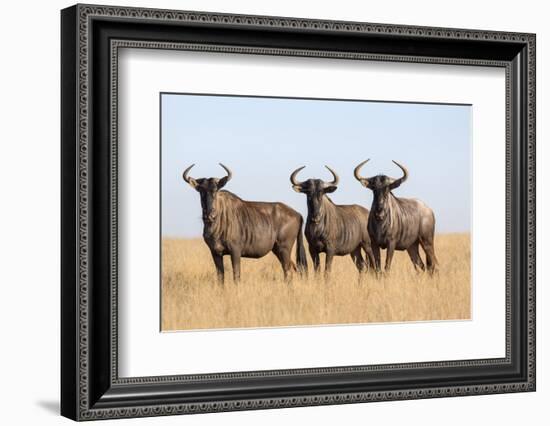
(398, 223)
(250, 229)
(336, 230)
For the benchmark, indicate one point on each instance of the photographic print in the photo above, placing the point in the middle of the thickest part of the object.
(300, 212)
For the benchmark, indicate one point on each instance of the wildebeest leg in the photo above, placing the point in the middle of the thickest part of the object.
(376, 254)
(283, 254)
(431, 261)
(369, 256)
(328, 262)
(315, 257)
(358, 259)
(415, 257)
(293, 267)
(389, 256)
(359, 263)
(218, 261)
(236, 264)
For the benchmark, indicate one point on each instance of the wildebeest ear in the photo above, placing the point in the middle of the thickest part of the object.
(297, 188)
(330, 188)
(365, 183)
(192, 182)
(222, 182)
(394, 185)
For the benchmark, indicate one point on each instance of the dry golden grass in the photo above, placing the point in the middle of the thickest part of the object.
(192, 299)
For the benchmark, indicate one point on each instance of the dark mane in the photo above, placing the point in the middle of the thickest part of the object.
(328, 198)
(230, 194)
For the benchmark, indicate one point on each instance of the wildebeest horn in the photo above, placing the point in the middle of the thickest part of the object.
(185, 172)
(361, 179)
(334, 175)
(187, 178)
(402, 179)
(293, 180)
(229, 173)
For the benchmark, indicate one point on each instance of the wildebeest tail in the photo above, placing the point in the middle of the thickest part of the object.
(301, 259)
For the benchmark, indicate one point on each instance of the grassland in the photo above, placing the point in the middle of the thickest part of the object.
(192, 299)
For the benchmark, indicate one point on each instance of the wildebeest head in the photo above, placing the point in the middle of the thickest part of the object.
(315, 190)
(381, 186)
(208, 189)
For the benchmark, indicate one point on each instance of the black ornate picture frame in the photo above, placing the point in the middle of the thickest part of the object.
(90, 385)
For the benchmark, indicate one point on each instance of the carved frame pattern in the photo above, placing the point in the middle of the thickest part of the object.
(85, 13)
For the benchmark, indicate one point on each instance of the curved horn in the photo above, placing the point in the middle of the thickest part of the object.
(293, 180)
(402, 179)
(361, 179)
(334, 175)
(229, 173)
(186, 178)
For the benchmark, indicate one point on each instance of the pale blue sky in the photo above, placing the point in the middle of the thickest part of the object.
(264, 139)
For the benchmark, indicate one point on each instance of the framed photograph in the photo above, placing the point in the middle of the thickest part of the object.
(263, 212)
